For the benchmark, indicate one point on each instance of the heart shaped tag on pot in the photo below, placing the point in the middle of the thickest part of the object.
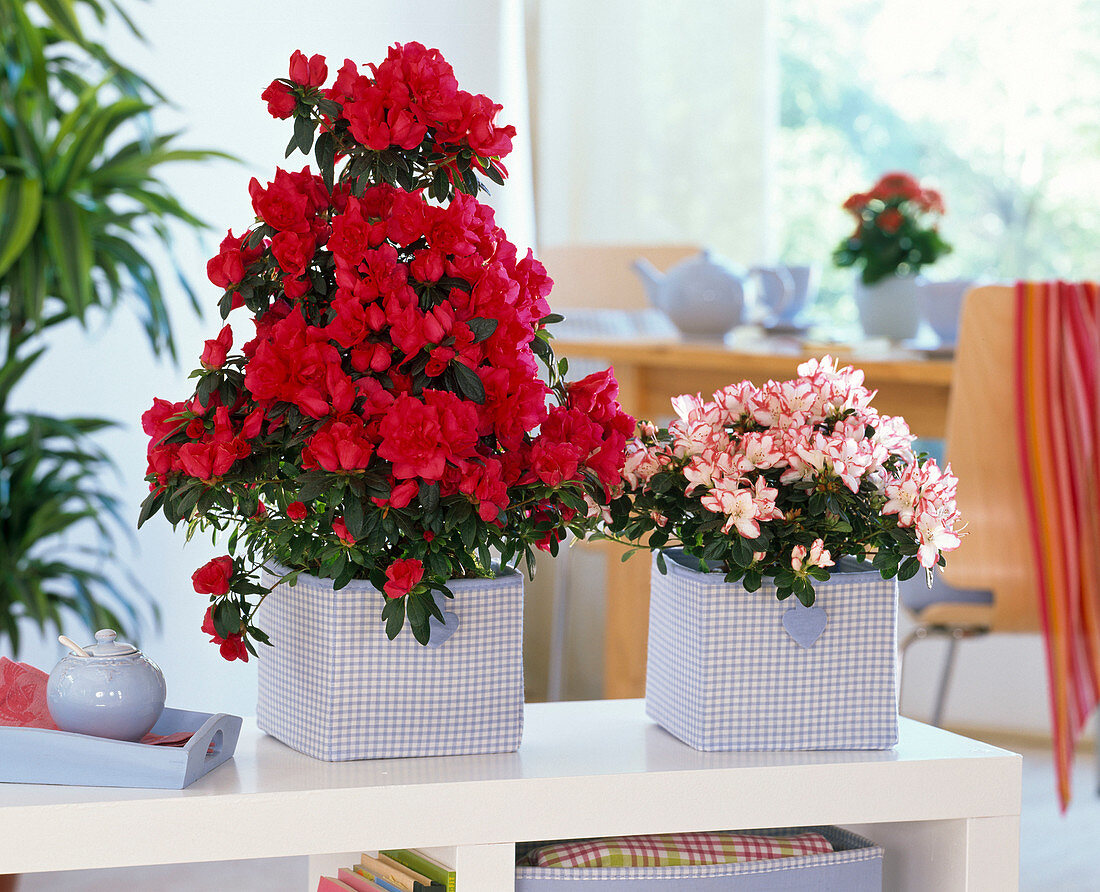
(805, 624)
(440, 632)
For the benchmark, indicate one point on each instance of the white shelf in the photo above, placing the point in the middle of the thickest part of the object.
(946, 808)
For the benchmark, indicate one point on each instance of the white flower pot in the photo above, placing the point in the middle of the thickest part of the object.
(334, 687)
(723, 673)
(889, 308)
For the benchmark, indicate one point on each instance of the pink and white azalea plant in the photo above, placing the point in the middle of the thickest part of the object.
(783, 480)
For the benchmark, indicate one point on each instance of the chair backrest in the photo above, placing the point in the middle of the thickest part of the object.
(600, 276)
(996, 551)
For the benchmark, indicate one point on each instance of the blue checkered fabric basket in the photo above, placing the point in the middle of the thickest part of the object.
(723, 673)
(336, 688)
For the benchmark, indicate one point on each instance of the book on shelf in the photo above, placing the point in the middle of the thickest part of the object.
(423, 863)
(382, 884)
(330, 884)
(357, 882)
(393, 872)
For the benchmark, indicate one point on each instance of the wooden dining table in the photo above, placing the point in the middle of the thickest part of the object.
(911, 383)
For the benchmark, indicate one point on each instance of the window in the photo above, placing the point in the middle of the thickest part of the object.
(992, 101)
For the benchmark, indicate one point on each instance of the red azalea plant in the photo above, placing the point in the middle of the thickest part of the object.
(388, 420)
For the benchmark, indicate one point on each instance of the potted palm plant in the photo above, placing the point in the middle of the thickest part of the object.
(81, 205)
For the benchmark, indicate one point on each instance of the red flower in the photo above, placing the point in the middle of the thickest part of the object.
(161, 420)
(596, 396)
(293, 251)
(213, 577)
(296, 511)
(931, 201)
(401, 576)
(341, 530)
(280, 101)
(210, 459)
(290, 201)
(311, 72)
(228, 268)
(413, 439)
(890, 220)
(896, 185)
(554, 463)
(233, 647)
(339, 446)
(216, 350)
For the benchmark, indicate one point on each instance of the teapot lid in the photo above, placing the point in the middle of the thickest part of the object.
(106, 646)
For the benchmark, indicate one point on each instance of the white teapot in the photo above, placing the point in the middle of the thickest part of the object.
(704, 296)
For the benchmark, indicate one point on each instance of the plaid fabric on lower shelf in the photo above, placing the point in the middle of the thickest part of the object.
(676, 850)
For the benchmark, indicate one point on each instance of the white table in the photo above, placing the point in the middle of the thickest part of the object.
(945, 808)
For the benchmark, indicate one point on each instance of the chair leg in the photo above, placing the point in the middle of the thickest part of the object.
(945, 677)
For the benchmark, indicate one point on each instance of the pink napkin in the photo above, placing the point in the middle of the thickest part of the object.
(23, 703)
(23, 696)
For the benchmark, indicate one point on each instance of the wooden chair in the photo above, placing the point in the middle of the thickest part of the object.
(979, 590)
(600, 276)
(991, 583)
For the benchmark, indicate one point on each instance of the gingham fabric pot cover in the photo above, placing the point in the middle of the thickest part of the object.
(335, 687)
(723, 672)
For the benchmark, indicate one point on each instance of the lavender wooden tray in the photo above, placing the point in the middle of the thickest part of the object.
(38, 756)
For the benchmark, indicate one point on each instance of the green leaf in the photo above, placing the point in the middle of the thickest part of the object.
(354, 517)
(325, 151)
(62, 16)
(418, 617)
(227, 618)
(70, 250)
(482, 328)
(394, 615)
(20, 211)
(150, 506)
(304, 128)
(429, 495)
(909, 568)
(313, 485)
(469, 384)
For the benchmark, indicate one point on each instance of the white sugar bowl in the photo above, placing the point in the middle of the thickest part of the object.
(108, 689)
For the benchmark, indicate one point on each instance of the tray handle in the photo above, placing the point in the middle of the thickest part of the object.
(211, 745)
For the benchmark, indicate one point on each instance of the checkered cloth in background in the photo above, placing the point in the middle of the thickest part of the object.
(722, 674)
(335, 688)
(676, 850)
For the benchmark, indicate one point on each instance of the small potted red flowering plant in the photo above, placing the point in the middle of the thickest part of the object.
(796, 488)
(896, 235)
(395, 430)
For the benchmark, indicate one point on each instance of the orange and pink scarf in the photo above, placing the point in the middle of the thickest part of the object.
(1057, 375)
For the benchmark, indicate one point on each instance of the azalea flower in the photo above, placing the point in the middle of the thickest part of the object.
(817, 556)
(784, 464)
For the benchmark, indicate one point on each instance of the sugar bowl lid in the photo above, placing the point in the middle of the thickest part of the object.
(106, 645)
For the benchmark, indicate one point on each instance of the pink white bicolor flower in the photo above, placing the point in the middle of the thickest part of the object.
(816, 556)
